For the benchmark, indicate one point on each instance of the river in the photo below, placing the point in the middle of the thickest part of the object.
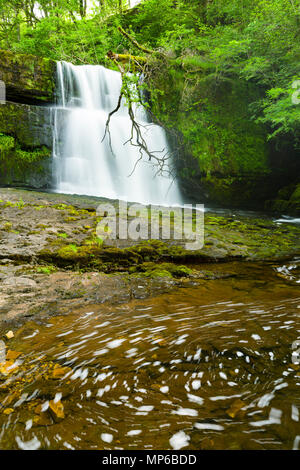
(207, 366)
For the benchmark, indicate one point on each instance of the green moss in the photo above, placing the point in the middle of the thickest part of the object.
(94, 241)
(46, 269)
(223, 146)
(62, 235)
(35, 75)
(70, 219)
(158, 273)
(27, 157)
(287, 201)
(7, 143)
(68, 252)
(17, 163)
(153, 270)
(60, 207)
(295, 197)
(7, 227)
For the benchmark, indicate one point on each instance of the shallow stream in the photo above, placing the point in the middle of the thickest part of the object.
(208, 366)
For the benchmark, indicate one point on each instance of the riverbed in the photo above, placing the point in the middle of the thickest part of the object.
(208, 365)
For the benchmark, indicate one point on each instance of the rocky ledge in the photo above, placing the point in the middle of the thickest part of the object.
(51, 258)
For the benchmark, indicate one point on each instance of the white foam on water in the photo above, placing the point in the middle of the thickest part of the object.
(107, 437)
(179, 440)
(33, 444)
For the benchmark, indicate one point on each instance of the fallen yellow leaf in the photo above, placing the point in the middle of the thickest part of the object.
(12, 354)
(57, 410)
(59, 372)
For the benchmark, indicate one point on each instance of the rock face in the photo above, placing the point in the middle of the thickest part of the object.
(47, 239)
(30, 124)
(28, 79)
(287, 200)
(25, 145)
(224, 155)
(25, 120)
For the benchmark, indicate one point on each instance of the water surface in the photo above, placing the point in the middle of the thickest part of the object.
(208, 366)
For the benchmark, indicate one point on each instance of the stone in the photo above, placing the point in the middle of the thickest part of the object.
(28, 78)
(25, 145)
(235, 407)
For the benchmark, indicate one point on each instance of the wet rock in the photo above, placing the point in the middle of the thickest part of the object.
(19, 282)
(50, 237)
(12, 355)
(27, 78)
(42, 420)
(8, 367)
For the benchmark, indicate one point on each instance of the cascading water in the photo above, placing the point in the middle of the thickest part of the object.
(84, 163)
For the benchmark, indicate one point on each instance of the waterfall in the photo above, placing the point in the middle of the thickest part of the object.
(83, 162)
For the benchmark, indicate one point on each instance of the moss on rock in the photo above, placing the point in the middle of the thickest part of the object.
(287, 201)
(27, 78)
(225, 156)
(23, 166)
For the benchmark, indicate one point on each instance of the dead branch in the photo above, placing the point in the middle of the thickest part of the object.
(136, 139)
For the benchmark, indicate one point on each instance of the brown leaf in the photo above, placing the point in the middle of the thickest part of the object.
(12, 355)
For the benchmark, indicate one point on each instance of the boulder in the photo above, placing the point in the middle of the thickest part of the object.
(25, 145)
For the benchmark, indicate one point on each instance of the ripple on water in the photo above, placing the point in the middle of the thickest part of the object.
(183, 370)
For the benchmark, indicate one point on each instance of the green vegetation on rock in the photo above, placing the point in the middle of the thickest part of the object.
(222, 77)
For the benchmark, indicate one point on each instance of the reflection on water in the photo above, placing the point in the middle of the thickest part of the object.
(206, 367)
(290, 271)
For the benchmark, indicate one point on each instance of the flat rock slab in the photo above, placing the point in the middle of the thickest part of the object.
(51, 260)
(61, 229)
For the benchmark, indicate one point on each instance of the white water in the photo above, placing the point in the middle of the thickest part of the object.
(83, 164)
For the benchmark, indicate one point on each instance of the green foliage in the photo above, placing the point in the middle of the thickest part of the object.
(7, 143)
(222, 73)
(16, 162)
(31, 156)
(49, 269)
